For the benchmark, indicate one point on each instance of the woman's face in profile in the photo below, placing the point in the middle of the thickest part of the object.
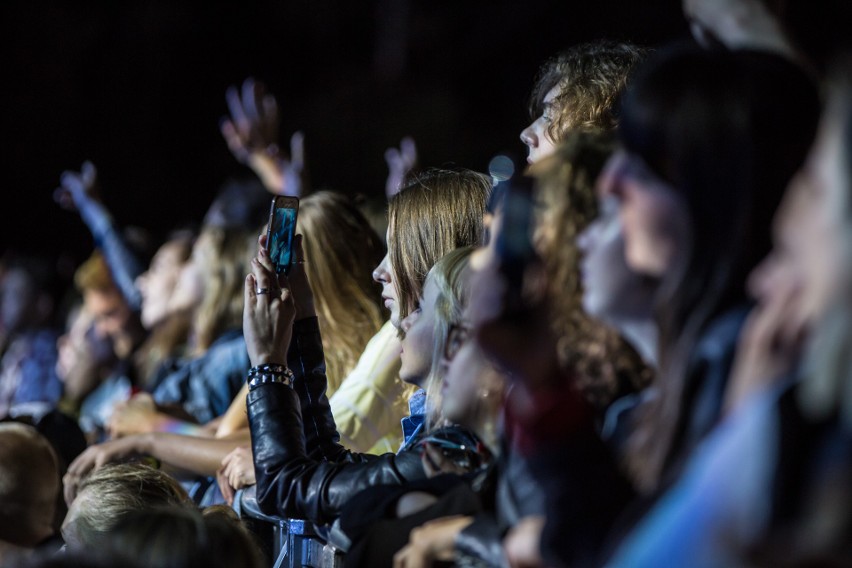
(611, 290)
(653, 217)
(418, 344)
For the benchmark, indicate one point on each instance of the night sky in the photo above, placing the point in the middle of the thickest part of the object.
(138, 88)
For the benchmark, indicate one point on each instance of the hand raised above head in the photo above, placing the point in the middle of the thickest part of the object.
(251, 132)
(401, 162)
(74, 187)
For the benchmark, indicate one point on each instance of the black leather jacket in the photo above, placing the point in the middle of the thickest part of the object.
(302, 471)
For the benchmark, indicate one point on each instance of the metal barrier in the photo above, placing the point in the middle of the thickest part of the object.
(291, 543)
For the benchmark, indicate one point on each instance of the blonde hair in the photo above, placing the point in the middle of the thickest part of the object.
(450, 276)
(94, 275)
(222, 257)
(341, 251)
(112, 492)
(437, 212)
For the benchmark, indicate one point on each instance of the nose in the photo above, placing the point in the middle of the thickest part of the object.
(140, 282)
(381, 274)
(406, 323)
(528, 137)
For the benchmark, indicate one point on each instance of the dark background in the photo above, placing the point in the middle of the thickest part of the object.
(138, 88)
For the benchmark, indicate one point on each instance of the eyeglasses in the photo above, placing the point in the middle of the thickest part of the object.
(456, 337)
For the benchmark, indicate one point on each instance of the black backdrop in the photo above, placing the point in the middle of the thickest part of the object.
(138, 88)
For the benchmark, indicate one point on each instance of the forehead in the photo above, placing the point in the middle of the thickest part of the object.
(551, 95)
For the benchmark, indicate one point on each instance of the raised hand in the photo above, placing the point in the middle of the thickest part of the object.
(77, 186)
(739, 24)
(268, 313)
(251, 133)
(400, 162)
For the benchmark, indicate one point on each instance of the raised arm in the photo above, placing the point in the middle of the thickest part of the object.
(740, 24)
(79, 191)
(290, 481)
(251, 132)
(401, 162)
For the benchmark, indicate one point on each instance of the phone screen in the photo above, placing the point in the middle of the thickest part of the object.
(282, 229)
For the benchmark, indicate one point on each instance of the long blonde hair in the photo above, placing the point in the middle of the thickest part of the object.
(221, 255)
(341, 251)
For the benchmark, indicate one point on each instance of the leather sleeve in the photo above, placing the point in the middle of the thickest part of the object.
(306, 359)
(290, 483)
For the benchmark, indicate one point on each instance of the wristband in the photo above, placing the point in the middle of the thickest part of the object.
(274, 373)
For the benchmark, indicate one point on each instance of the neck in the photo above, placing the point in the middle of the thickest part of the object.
(485, 428)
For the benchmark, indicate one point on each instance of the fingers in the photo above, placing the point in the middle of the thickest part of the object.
(297, 149)
(249, 92)
(225, 488)
(264, 277)
(270, 113)
(250, 292)
(235, 107)
(88, 173)
(408, 151)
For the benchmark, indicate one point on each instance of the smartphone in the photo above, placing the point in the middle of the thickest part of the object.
(280, 231)
(513, 244)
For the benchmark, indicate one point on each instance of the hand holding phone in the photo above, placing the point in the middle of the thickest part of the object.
(280, 232)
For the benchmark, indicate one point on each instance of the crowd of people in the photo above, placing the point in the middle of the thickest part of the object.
(628, 351)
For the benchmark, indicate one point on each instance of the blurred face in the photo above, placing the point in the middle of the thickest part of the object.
(611, 291)
(110, 312)
(17, 300)
(470, 380)
(419, 342)
(73, 346)
(188, 290)
(383, 275)
(158, 283)
(535, 136)
(809, 230)
(654, 219)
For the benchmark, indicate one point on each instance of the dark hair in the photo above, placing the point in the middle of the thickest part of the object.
(727, 131)
(183, 538)
(591, 77)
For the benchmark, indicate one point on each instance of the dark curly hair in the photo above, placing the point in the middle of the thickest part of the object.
(591, 77)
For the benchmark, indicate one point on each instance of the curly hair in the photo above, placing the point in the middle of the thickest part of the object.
(605, 365)
(591, 77)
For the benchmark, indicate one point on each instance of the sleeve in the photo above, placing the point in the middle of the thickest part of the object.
(292, 484)
(123, 264)
(370, 402)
